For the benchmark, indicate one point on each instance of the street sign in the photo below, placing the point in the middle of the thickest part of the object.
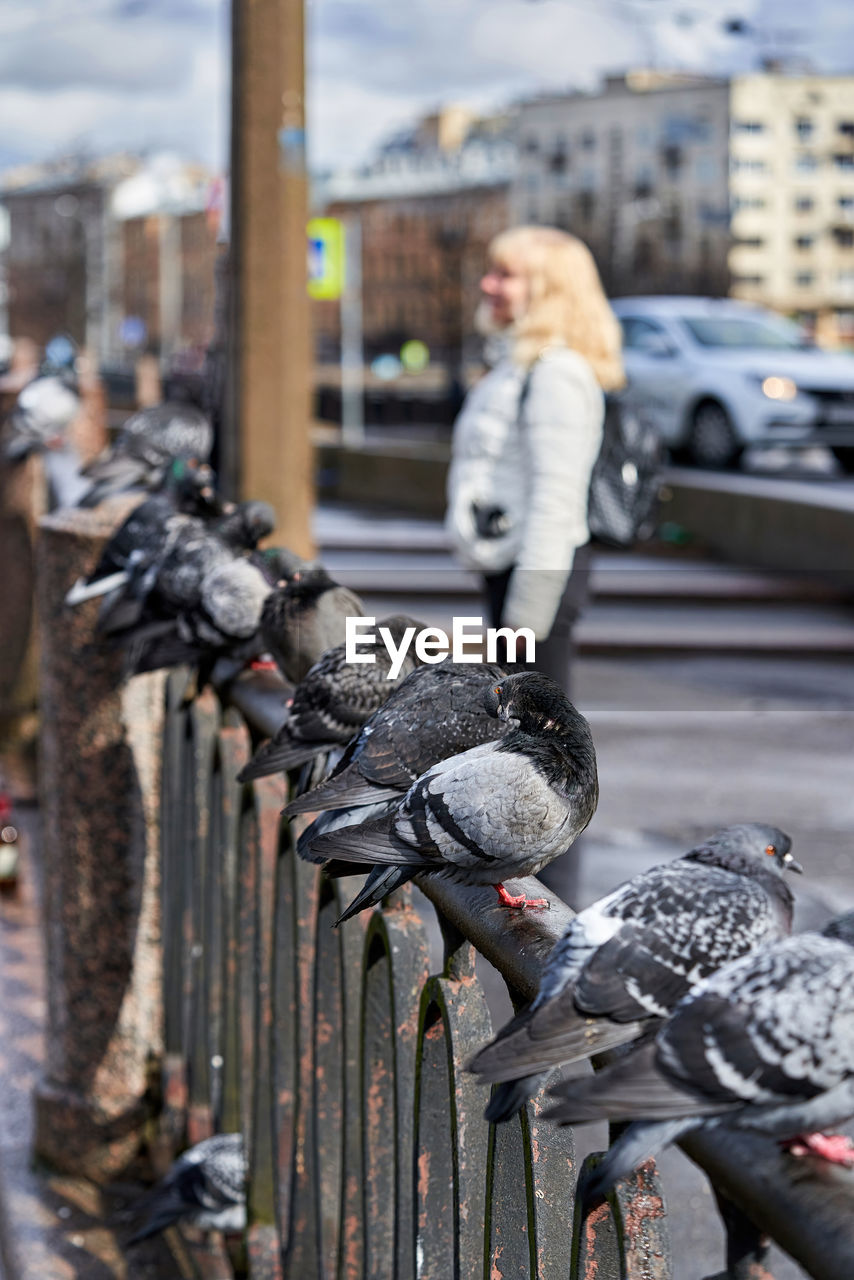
(325, 258)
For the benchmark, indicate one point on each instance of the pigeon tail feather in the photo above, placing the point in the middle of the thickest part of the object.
(380, 883)
(510, 1097)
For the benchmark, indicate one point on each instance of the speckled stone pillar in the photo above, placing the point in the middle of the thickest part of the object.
(99, 789)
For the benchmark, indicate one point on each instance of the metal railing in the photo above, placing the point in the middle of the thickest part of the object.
(340, 1058)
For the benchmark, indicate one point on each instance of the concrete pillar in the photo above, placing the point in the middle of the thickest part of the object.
(99, 787)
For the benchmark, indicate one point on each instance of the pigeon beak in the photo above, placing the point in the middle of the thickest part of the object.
(791, 865)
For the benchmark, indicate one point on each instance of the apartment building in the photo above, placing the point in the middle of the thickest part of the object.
(687, 184)
(640, 172)
(792, 196)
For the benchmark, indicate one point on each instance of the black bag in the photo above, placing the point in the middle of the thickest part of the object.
(624, 486)
(622, 504)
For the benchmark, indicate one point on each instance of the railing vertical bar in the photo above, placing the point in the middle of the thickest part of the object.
(451, 1136)
(327, 1112)
(351, 1236)
(303, 1249)
(265, 1248)
(205, 723)
(396, 966)
(234, 751)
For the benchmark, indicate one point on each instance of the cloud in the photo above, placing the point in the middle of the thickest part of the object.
(153, 73)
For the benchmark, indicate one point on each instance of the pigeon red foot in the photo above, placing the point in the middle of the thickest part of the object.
(833, 1147)
(507, 900)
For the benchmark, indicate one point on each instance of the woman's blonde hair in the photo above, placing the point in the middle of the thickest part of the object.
(567, 303)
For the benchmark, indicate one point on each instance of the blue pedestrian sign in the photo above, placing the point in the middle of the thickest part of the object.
(325, 258)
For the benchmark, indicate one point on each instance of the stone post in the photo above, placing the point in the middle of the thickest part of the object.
(99, 789)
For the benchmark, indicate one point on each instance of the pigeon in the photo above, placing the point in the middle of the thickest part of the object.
(44, 410)
(221, 621)
(306, 617)
(436, 712)
(186, 489)
(765, 1044)
(626, 961)
(502, 809)
(205, 1188)
(332, 703)
(147, 444)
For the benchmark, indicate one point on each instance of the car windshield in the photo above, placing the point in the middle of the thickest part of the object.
(744, 331)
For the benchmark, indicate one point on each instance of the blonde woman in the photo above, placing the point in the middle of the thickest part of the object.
(529, 433)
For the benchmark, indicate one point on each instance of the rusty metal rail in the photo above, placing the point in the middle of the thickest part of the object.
(340, 1058)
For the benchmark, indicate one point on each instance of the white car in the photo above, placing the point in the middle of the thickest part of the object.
(718, 375)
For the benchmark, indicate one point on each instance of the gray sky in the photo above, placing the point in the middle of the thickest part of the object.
(114, 74)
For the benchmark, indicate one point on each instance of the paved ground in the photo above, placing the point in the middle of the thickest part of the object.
(684, 747)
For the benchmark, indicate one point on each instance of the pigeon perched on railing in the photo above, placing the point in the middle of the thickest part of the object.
(626, 961)
(187, 490)
(766, 1044)
(306, 617)
(438, 711)
(43, 412)
(148, 443)
(205, 1187)
(505, 808)
(332, 703)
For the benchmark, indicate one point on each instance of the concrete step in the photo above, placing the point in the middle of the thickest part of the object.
(612, 628)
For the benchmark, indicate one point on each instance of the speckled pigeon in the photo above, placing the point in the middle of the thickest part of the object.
(332, 703)
(205, 1187)
(765, 1044)
(502, 809)
(627, 960)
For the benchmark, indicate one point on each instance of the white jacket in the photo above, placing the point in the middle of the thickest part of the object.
(535, 466)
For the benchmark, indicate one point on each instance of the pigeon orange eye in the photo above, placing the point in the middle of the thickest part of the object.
(770, 850)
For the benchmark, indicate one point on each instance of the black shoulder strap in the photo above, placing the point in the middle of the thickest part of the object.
(524, 389)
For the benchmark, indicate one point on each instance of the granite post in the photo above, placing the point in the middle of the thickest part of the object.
(99, 791)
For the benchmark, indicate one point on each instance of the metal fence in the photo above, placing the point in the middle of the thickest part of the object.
(340, 1058)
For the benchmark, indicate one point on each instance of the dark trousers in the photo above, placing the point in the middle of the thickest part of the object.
(555, 653)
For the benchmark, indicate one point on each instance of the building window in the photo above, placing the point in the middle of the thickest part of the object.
(588, 140)
(672, 159)
(804, 204)
(741, 164)
(806, 162)
(804, 279)
(845, 162)
(747, 202)
(748, 126)
(804, 128)
(748, 280)
(559, 159)
(804, 242)
(844, 237)
(748, 242)
(586, 203)
(846, 128)
(846, 204)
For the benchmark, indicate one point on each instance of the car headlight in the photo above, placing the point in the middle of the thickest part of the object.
(777, 387)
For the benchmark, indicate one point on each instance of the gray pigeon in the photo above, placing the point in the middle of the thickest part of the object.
(332, 703)
(205, 1187)
(148, 443)
(627, 960)
(502, 809)
(438, 711)
(765, 1044)
(186, 489)
(305, 617)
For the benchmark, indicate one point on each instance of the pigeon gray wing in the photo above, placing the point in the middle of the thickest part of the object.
(776, 1024)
